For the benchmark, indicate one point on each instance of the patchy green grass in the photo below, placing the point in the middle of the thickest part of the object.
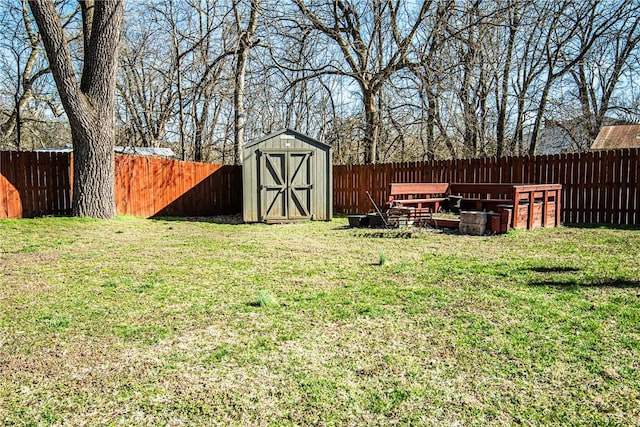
(264, 298)
(158, 322)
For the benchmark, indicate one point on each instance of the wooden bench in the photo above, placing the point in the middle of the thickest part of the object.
(416, 201)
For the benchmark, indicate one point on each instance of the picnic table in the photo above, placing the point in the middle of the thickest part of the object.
(415, 202)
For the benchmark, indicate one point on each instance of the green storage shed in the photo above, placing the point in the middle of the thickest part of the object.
(287, 176)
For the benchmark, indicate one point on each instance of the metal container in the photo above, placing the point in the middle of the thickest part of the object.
(358, 220)
(375, 220)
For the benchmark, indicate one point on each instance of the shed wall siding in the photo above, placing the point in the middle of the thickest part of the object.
(321, 194)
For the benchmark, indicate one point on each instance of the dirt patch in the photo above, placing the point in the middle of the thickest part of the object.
(216, 219)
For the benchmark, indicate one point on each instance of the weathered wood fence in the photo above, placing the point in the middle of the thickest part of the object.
(598, 187)
(37, 184)
(34, 184)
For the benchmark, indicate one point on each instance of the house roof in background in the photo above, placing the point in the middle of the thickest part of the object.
(617, 136)
(146, 151)
(140, 151)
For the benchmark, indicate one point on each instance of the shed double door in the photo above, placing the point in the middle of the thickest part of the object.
(284, 181)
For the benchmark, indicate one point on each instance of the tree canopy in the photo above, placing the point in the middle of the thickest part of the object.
(379, 80)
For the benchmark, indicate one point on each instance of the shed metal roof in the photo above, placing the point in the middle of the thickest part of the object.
(617, 136)
(140, 151)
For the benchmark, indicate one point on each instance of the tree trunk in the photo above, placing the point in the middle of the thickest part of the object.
(537, 125)
(431, 138)
(239, 113)
(245, 43)
(200, 122)
(501, 124)
(178, 78)
(90, 104)
(371, 127)
(470, 132)
(518, 135)
(431, 110)
(93, 169)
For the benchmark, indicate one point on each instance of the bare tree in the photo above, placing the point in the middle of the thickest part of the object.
(23, 71)
(529, 65)
(195, 71)
(507, 36)
(145, 87)
(90, 104)
(597, 77)
(245, 43)
(210, 49)
(472, 76)
(382, 80)
(431, 70)
(570, 34)
(343, 22)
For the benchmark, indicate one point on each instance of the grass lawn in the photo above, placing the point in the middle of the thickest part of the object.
(158, 322)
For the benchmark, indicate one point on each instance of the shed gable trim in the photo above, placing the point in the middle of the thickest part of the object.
(298, 135)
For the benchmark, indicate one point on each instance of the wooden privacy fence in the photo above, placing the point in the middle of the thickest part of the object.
(598, 187)
(37, 184)
(34, 184)
(150, 187)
